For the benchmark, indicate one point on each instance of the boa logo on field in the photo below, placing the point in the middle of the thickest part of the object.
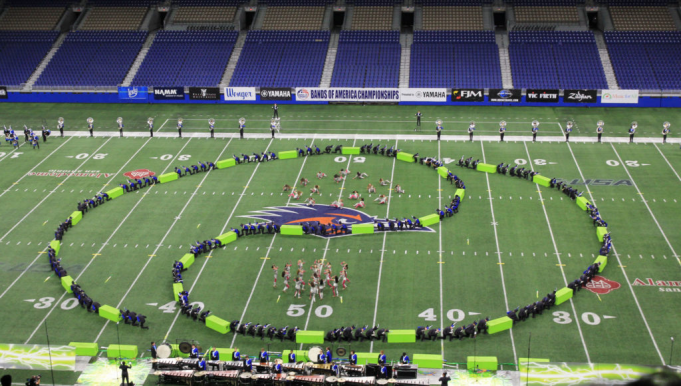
(601, 285)
(139, 173)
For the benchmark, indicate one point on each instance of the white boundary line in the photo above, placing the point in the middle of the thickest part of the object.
(36, 258)
(617, 256)
(439, 251)
(555, 248)
(105, 243)
(385, 235)
(666, 160)
(496, 239)
(158, 246)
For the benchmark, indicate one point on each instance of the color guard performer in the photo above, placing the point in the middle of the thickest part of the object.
(371, 189)
(360, 204)
(354, 195)
(276, 274)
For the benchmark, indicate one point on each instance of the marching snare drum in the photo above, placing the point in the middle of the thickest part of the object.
(245, 378)
(165, 350)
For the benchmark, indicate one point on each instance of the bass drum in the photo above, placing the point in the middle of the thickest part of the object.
(314, 354)
(164, 351)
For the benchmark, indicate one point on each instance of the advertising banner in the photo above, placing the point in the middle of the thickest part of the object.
(168, 93)
(132, 92)
(580, 96)
(315, 94)
(3, 92)
(275, 94)
(533, 96)
(239, 93)
(204, 93)
(423, 95)
(468, 95)
(505, 95)
(619, 96)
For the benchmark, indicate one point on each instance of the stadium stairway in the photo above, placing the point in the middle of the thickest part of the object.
(674, 11)
(259, 17)
(234, 59)
(139, 59)
(397, 17)
(43, 64)
(330, 61)
(347, 21)
(605, 61)
(406, 39)
(504, 60)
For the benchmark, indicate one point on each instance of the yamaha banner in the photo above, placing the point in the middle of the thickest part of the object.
(169, 93)
(505, 95)
(275, 94)
(313, 94)
(204, 93)
(580, 96)
(468, 95)
(133, 92)
(534, 96)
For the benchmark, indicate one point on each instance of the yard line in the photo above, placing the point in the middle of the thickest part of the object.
(666, 160)
(442, 315)
(105, 243)
(619, 262)
(163, 124)
(385, 235)
(555, 248)
(38, 256)
(15, 149)
(496, 239)
(177, 218)
(51, 191)
(38, 164)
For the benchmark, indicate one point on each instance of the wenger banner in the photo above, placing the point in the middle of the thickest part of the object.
(619, 96)
(314, 94)
(239, 93)
(423, 94)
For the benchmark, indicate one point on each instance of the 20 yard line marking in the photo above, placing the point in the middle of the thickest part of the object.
(104, 245)
(177, 218)
(619, 262)
(555, 247)
(385, 235)
(496, 239)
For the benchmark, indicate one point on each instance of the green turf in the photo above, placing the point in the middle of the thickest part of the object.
(460, 257)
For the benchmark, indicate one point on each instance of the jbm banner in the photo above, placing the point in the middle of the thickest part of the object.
(132, 92)
(169, 93)
(239, 93)
(619, 96)
(313, 94)
(423, 94)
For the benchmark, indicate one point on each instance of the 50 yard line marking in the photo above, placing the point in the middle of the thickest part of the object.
(555, 248)
(619, 262)
(104, 245)
(496, 239)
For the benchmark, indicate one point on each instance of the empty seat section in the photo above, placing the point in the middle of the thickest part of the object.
(21, 52)
(93, 58)
(31, 18)
(293, 18)
(367, 59)
(186, 58)
(549, 59)
(457, 59)
(448, 18)
(281, 59)
(546, 14)
(114, 18)
(372, 18)
(188, 15)
(642, 18)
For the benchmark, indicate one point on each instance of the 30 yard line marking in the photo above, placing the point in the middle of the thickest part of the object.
(667, 161)
(385, 234)
(496, 239)
(104, 245)
(177, 218)
(555, 247)
(626, 277)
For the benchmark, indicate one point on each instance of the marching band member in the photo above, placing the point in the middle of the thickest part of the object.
(418, 119)
(632, 131)
(344, 173)
(361, 176)
(338, 204)
(120, 126)
(90, 126)
(287, 187)
(471, 129)
(236, 355)
(535, 130)
(313, 291)
(264, 357)
(275, 111)
(665, 131)
(291, 357)
(304, 181)
(211, 127)
(242, 126)
(354, 195)
(438, 129)
(599, 129)
(338, 179)
(502, 130)
(297, 286)
(360, 204)
(60, 126)
(353, 357)
(404, 359)
(382, 358)
(334, 286)
(248, 364)
(568, 130)
(179, 127)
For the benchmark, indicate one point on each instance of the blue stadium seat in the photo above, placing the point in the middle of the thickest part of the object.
(21, 52)
(367, 59)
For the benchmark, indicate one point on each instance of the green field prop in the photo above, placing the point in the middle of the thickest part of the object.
(581, 202)
(429, 220)
(76, 217)
(367, 357)
(115, 192)
(187, 260)
(541, 180)
(500, 324)
(85, 349)
(442, 171)
(121, 351)
(227, 237)
(461, 193)
(301, 356)
(535, 360)
(217, 324)
(563, 295)
(603, 260)
(111, 313)
(168, 177)
(600, 232)
(177, 288)
(316, 337)
(362, 228)
(288, 154)
(292, 230)
(402, 336)
(66, 282)
(349, 150)
(406, 157)
(56, 245)
(487, 168)
(483, 363)
(225, 163)
(428, 361)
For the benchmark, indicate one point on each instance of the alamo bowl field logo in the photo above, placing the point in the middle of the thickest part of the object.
(601, 285)
(139, 173)
(324, 214)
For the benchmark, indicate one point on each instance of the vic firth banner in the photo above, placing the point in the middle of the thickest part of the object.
(535, 96)
(423, 94)
(619, 96)
(168, 93)
(275, 94)
(204, 93)
(580, 96)
(239, 93)
(313, 94)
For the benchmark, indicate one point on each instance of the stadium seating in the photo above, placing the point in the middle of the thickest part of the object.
(557, 60)
(646, 60)
(93, 58)
(452, 2)
(367, 59)
(187, 58)
(642, 18)
(293, 18)
(187, 15)
(281, 59)
(306, 3)
(459, 59)
(546, 14)
(374, 3)
(448, 18)
(31, 18)
(38, 3)
(372, 18)
(114, 18)
(21, 52)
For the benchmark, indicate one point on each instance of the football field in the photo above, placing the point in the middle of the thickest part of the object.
(511, 243)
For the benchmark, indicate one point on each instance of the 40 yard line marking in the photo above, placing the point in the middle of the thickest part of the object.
(104, 245)
(496, 239)
(619, 262)
(555, 248)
